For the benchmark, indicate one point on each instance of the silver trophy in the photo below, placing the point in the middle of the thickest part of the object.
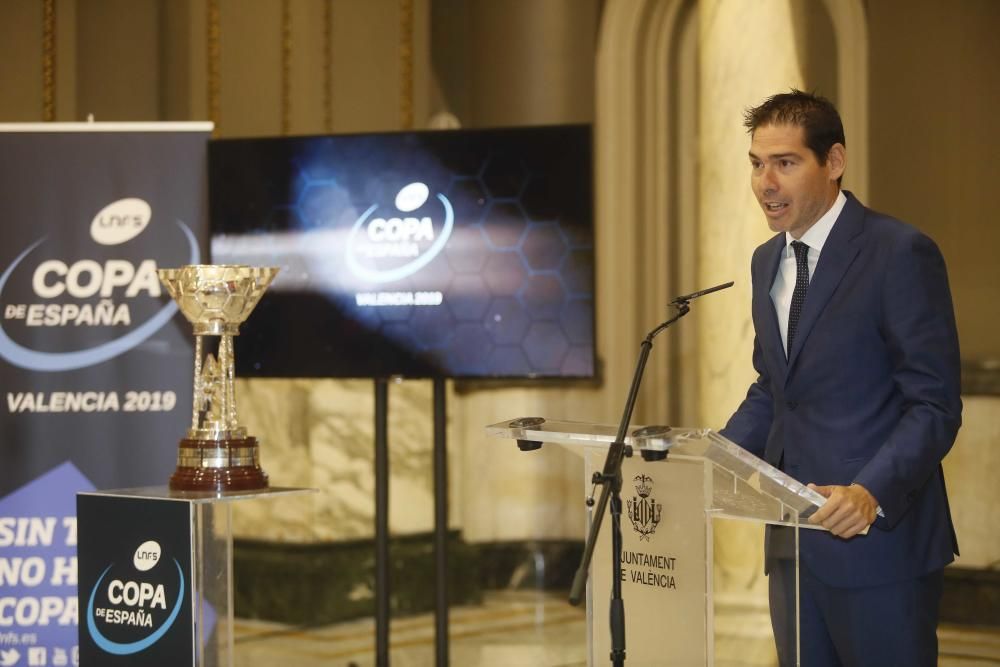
(217, 454)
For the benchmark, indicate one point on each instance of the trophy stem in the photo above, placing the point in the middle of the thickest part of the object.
(228, 357)
(223, 395)
(199, 348)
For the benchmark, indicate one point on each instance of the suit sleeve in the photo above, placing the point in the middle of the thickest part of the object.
(920, 334)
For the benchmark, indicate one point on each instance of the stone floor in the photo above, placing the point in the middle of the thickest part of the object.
(523, 629)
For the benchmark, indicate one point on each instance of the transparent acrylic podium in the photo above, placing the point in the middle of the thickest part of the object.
(677, 481)
(211, 558)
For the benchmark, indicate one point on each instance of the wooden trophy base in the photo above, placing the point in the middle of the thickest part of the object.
(218, 465)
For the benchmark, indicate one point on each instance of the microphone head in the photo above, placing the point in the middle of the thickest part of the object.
(694, 295)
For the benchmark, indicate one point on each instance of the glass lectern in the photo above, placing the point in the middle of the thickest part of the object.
(676, 482)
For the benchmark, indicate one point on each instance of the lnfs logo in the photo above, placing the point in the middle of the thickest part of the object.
(87, 294)
(392, 247)
(644, 511)
(133, 605)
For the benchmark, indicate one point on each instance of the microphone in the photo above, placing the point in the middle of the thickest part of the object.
(694, 295)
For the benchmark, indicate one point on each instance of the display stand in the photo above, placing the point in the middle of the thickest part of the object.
(128, 543)
(382, 582)
(678, 481)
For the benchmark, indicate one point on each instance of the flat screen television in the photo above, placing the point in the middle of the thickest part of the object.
(456, 253)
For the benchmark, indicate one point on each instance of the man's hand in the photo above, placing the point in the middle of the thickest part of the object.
(848, 510)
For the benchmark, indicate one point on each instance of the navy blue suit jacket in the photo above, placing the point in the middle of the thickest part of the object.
(869, 393)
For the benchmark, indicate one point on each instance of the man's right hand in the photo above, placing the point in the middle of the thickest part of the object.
(848, 510)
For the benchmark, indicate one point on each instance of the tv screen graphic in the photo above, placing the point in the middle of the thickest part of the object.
(457, 253)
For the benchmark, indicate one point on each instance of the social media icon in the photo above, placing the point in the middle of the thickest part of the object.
(38, 656)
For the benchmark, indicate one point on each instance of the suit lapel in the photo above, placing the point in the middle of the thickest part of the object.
(770, 337)
(839, 252)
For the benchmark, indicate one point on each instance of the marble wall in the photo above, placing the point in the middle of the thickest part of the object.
(320, 434)
(747, 52)
(971, 470)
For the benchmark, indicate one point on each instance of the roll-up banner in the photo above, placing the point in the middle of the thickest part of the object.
(95, 369)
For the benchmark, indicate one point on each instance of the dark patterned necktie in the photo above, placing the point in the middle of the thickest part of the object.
(799, 293)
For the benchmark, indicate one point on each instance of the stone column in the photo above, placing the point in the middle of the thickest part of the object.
(747, 51)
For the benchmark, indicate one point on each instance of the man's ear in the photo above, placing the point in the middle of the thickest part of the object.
(836, 161)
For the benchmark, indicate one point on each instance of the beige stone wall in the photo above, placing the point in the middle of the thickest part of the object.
(21, 43)
(747, 53)
(124, 60)
(970, 471)
(935, 87)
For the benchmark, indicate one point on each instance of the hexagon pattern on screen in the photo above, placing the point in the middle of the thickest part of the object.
(516, 273)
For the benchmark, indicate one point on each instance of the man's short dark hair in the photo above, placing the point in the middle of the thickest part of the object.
(815, 114)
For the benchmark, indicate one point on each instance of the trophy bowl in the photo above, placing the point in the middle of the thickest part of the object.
(216, 454)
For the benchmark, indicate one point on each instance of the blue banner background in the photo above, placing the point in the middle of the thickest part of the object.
(88, 402)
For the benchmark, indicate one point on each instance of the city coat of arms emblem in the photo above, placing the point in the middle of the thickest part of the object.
(643, 510)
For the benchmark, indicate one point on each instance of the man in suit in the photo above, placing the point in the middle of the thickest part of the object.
(857, 394)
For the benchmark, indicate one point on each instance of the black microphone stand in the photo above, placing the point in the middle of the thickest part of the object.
(610, 479)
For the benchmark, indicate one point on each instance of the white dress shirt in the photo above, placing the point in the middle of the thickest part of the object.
(784, 281)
